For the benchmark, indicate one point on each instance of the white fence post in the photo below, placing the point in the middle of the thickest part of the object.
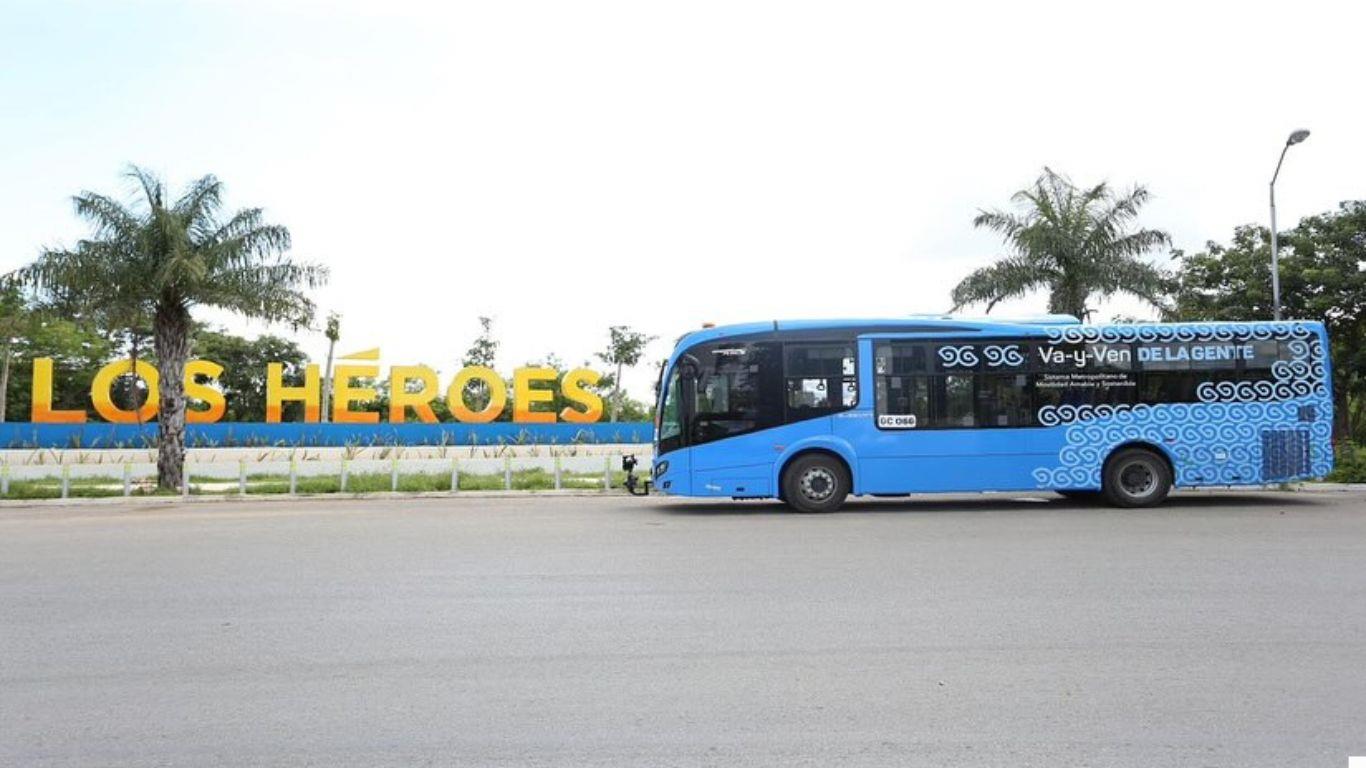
(507, 472)
(455, 475)
(242, 477)
(606, 473)
(557, 472)
(185, 480)
(66, 481)
(293, 475)
(127, 479)
(393, 474)
(4, 479)
(341, 487)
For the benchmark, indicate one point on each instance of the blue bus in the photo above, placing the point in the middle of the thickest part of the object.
(812, 411)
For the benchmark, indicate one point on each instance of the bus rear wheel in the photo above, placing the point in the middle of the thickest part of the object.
(1136, 477)
(815, 483)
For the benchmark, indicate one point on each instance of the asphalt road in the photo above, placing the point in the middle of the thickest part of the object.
(1224, 629)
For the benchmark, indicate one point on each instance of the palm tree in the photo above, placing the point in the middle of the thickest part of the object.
(161, 258)
(1073, 242)
(333, 334)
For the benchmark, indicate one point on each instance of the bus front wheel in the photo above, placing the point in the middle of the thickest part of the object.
(1136, 477)
(815, 482)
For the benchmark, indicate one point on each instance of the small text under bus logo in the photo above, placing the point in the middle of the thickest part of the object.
(896, 420)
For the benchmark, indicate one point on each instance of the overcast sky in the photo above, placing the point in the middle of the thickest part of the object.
(565, 166)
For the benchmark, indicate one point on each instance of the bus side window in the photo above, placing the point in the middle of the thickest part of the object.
(819, 379)
(953, 401)
(735, 390)
(1003, 401)
(900, 384)
(954, 384)
(1172, 372)
(903, 395)
(1265, 354)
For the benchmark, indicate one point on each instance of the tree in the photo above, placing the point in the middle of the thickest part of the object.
(1322, 278)
(624, 347)
(483, 351)
(77, 351)
(333, 334)
(161, 258)
(112, 312)
(243, 381)
(15, 318)
(1073, 242)
(559, 402)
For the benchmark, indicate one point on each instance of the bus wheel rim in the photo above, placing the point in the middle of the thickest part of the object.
(817, 484)
(1138, 479)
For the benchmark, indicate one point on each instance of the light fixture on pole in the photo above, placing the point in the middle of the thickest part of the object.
(1295, 138)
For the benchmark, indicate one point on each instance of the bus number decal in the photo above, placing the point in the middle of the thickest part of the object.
(896, 420)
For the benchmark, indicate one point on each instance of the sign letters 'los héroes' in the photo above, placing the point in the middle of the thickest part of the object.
(412, 389)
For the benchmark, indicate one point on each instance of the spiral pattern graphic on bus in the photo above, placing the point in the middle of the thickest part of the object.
(958, 357)
(999, 355)
(1077, 334)
(1217, 440)
(996, 355)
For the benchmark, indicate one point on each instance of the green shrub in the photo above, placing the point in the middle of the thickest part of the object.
(1350, 463)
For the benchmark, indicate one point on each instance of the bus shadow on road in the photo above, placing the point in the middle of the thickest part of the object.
(993, 503)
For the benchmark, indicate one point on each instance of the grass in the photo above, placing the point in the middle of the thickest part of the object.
(356, 482)
(80, 488)
(428, 482)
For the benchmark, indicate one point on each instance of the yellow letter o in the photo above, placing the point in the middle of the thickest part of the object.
(498, 395)
(104, 404)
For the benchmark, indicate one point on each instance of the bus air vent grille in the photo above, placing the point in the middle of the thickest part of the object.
(1285, 454)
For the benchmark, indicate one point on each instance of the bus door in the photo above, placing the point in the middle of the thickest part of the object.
(948, 415)
(735, 402)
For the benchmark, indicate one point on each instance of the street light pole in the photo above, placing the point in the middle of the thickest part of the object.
(1295, 138)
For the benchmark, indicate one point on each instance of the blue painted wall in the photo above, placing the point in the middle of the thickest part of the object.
(249, 434)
